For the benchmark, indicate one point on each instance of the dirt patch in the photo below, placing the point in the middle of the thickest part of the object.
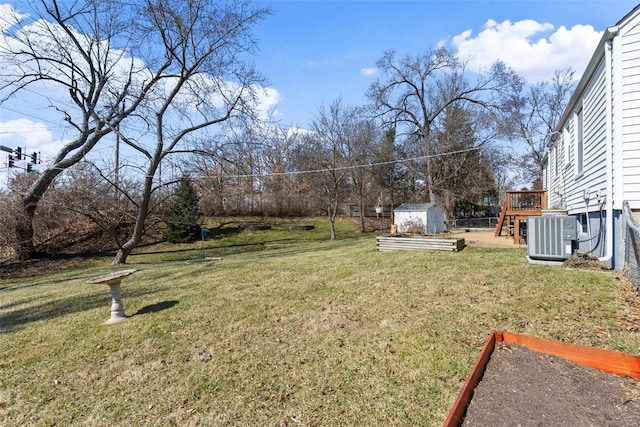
(487, 239)
(522, 387)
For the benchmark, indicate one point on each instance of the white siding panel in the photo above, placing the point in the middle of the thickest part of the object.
(632, 188)
(627, 135)
(631, 127)
(632, 153)
(630, 87)
(631, 121)
(631, 167)
(631, 117)
(633, 199)
(630, 27)
(631, 71)
(631, 38)
(631, 64)
(632, 106)
(594, 131)
(630, 48)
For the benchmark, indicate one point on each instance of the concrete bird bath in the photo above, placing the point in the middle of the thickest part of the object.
(113, 280)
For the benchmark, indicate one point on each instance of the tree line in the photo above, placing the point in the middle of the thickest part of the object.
(172, 87)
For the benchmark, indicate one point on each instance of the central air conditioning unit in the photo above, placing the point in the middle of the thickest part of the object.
(551, 237)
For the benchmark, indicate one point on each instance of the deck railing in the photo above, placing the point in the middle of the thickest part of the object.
(518, 206)
(526, 200)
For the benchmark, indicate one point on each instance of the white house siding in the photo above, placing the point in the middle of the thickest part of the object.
(630, 71)
(552, 176)
(560, 167)
(593, 176)
(552, 171)
(610, 102)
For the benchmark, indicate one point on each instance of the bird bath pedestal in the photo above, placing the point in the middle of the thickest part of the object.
(113, 280)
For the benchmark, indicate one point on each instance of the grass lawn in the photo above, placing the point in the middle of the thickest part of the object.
(288, 329)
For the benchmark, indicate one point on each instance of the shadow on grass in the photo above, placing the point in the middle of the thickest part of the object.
(53, 308)
(321, 245)
(230, 249)
(154, 308)
(222, 231)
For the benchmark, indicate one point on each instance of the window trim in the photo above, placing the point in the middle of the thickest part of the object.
(579, 141)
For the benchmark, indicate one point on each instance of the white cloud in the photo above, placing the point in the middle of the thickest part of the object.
(369, 71)
(267, 101)
(30, 136)
(24, 133)
(533, 49)
(9, 17)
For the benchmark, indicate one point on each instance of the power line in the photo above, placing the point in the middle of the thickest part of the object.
(30, 115)
(359, 166)
(311, 171)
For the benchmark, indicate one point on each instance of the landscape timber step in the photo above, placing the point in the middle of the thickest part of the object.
(397, 243)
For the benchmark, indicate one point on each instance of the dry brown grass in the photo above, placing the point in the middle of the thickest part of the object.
(307, 333)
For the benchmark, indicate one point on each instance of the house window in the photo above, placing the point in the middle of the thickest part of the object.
(555, 160)
(579, 143)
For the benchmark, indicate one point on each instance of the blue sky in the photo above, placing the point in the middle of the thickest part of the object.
(313, 52)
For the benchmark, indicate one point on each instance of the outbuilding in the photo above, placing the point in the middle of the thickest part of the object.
(425, 218)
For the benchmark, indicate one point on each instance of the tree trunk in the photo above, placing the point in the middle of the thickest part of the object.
(121, 256)
(429, 168)
(138, 229)
(332, 219)
(332, 226)
(24, 223)
(24, 232)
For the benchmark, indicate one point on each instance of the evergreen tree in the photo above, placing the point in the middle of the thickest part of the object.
(184, 218)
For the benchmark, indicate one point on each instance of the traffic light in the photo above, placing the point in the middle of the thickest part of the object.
(29, 168)
(19, 153)
(34, 158)
(12, 162)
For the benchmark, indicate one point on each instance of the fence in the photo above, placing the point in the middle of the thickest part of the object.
(631, 233)
(485, 222)
(370, 211)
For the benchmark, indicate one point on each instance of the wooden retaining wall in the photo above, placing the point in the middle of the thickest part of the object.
(399, 243)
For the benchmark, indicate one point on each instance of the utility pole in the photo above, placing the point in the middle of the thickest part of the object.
(116, 179)
(117, 167)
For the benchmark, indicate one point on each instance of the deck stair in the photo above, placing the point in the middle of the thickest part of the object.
(517, 207)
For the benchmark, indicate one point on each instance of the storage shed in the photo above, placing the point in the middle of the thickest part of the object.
(419, 217)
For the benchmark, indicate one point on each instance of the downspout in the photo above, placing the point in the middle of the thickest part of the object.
(609, 151)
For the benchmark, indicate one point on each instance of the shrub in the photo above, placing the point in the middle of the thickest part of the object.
(184, 217)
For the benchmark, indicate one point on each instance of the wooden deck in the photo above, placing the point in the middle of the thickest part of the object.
(515, 210)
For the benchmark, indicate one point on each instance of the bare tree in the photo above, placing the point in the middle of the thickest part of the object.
(362, 150)
(68, 46)
(173, 71)
(9, 203)
(204, 82)
(389, 175)
(414, 92)
(279, 162)
(530, 115)
(326, 150)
